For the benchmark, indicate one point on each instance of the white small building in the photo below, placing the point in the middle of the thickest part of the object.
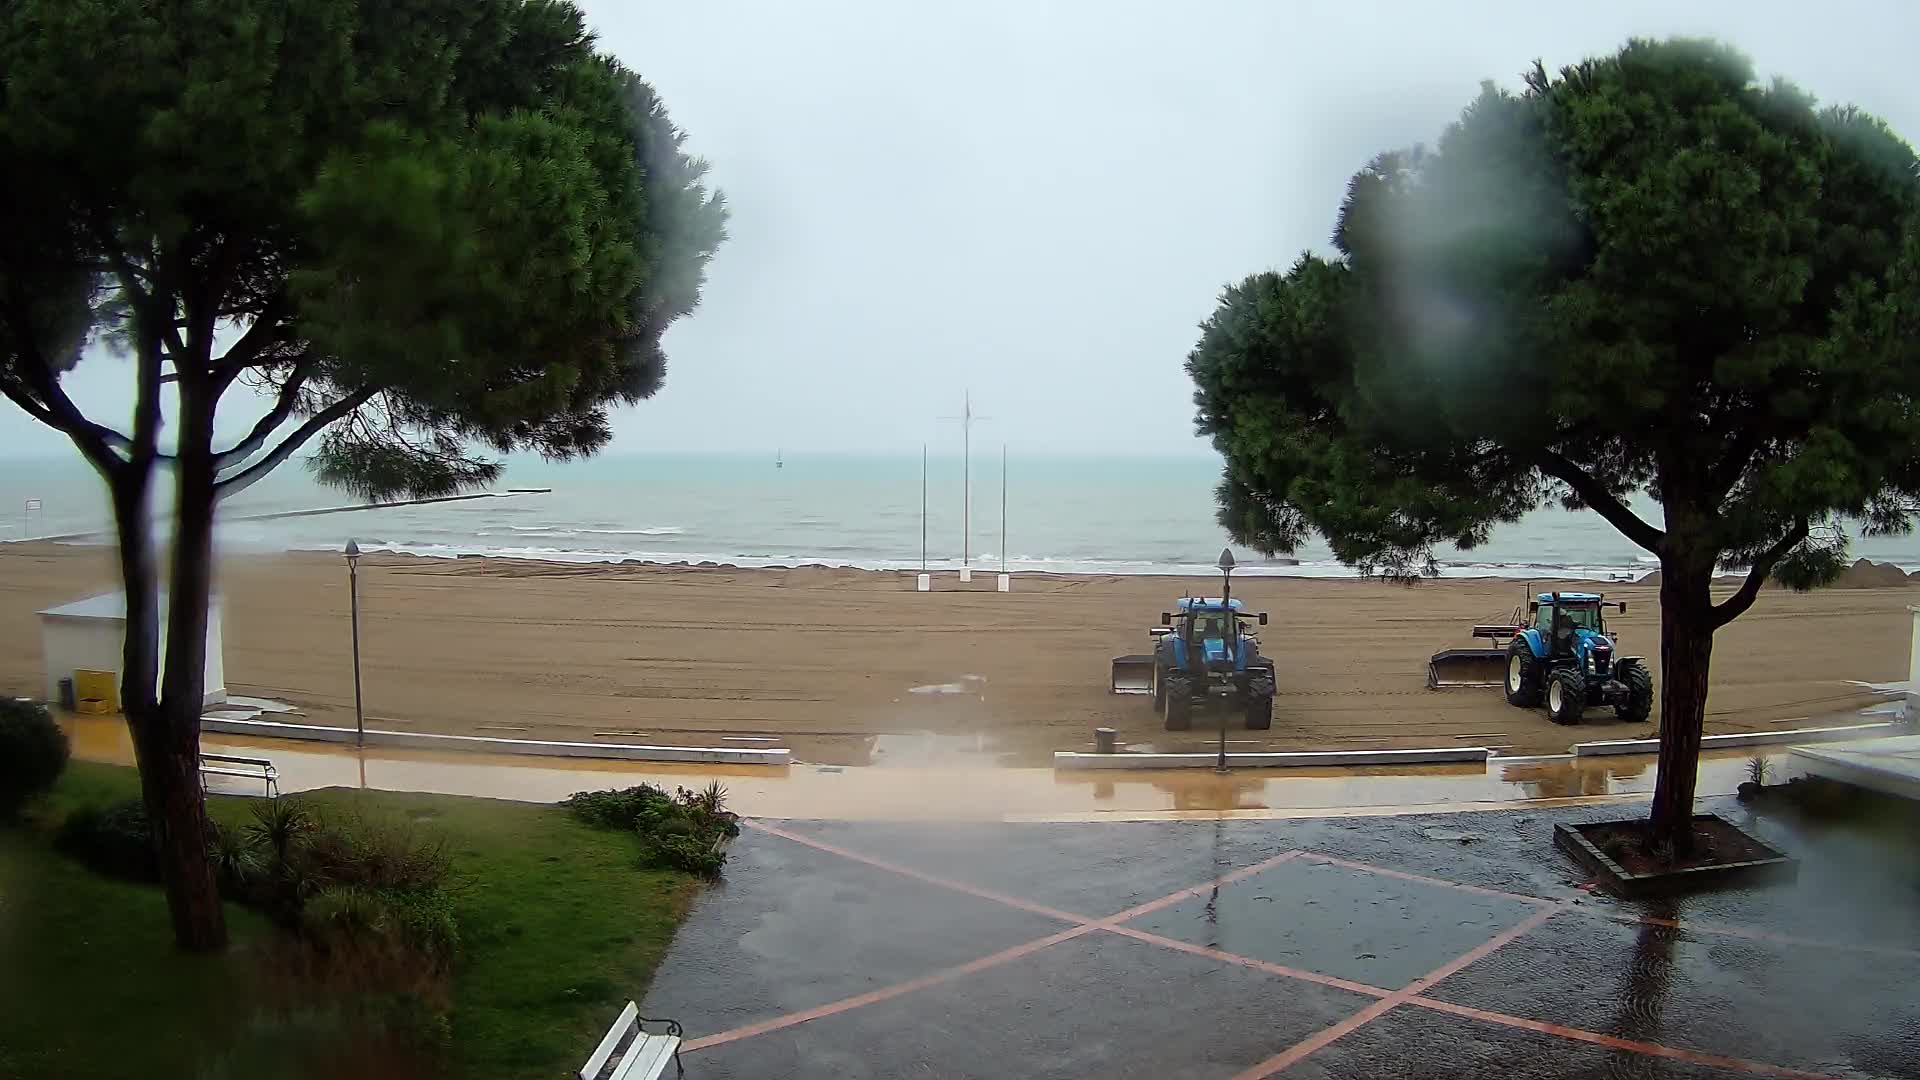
(89, 635)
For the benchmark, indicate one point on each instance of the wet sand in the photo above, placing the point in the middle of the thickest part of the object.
(827, 661)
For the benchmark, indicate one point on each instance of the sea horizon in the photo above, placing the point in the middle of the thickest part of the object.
(1069, 512)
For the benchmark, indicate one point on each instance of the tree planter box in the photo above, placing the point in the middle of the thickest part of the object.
(1760, 863)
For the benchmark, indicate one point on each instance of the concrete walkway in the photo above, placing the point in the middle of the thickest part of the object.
(1430, 946)
(963, 793)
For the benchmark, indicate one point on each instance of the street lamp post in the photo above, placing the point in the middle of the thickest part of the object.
(353, 590)
(1226, 601)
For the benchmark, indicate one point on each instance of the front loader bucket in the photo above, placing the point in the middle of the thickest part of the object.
(1133, 674)
(1467, 667)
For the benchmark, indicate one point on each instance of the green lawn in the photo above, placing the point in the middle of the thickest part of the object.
(559, 928)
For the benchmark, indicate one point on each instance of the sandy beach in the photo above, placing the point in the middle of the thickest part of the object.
(829, 661)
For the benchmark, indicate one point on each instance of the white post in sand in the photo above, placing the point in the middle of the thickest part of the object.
(966, 507)
(966, 489)
(1005, 583)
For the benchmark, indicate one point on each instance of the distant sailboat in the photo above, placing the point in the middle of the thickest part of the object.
(778, 462)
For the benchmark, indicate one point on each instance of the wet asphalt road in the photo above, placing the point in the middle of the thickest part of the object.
(812, 961)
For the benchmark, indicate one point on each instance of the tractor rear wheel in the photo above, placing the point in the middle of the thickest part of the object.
(1638, 704)
(1177, 703)
(1523, 675)
(1260, 703)
(1566, 696)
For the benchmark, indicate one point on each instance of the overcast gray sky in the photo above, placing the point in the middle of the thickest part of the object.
(1041, 201)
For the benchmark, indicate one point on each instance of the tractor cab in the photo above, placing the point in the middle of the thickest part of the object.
(1565, 620)
(1206, 633)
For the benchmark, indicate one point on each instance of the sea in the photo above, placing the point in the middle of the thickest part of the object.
(1057, 513)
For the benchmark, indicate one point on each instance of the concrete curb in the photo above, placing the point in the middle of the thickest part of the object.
(1066, 759)
(1860, 767)
(1752, 738)
(270, 729)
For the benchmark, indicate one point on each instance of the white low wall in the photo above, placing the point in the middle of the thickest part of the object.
(1751, 738)
(710, 755)
(1065, 759)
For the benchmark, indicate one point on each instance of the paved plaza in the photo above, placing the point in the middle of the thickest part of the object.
(1434, 946)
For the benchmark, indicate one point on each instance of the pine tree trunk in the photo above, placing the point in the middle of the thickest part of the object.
(195, 898)
(166, 744)
(1686, 648)
(168, 753)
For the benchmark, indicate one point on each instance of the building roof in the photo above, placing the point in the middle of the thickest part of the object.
(110, 606)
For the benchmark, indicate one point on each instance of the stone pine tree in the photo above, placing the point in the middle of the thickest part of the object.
(1649, 273)
(424, 230)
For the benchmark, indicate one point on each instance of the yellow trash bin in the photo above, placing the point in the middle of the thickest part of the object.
(97, 686)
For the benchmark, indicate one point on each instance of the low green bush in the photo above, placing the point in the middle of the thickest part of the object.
(622, 809)
(33, 753)
(687, 851)
(381, 857)
(116, 840)
(682, 831)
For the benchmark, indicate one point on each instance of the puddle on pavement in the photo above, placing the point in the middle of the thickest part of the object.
(952, 777)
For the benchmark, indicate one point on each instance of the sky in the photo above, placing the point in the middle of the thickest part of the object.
(1039, 203)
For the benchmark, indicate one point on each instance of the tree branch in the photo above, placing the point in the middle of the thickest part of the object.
(283, 408)
(316, 423)
(1726, 473)
(1736, 605)
(49, 404)
(1601, 500)
(264, 331)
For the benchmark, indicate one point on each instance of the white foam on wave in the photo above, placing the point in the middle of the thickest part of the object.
(566, 532)
(1306, 568)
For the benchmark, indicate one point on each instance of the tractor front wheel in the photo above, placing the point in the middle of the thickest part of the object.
(1638, 704)
(1566, 696)
(1259, 703)
(1176, 703)
(1523, 675)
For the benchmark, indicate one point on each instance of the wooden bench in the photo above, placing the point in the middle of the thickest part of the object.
(250, 768)
(630, 1052)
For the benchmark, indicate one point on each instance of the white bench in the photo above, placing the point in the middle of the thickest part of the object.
(630, 1052)
(251, 768)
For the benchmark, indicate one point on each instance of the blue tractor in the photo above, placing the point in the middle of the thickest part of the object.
(1204, 651)
(1567, 657)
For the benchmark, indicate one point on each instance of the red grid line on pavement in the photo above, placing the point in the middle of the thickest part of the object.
(1411, 994)
(910, 872)
(1748, 933)
(1084, 925)
(886, 993)
(1635, 1046)
(1327, 1036)
(1249, 962)
(1402, 875)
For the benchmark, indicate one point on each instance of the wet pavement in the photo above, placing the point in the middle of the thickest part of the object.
(1452, 945)
(955, 793)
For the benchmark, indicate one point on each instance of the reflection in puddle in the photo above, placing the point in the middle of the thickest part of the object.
(954, 777)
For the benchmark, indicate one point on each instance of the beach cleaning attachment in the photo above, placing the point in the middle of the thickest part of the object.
(1133, 674)
(1474, 667)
